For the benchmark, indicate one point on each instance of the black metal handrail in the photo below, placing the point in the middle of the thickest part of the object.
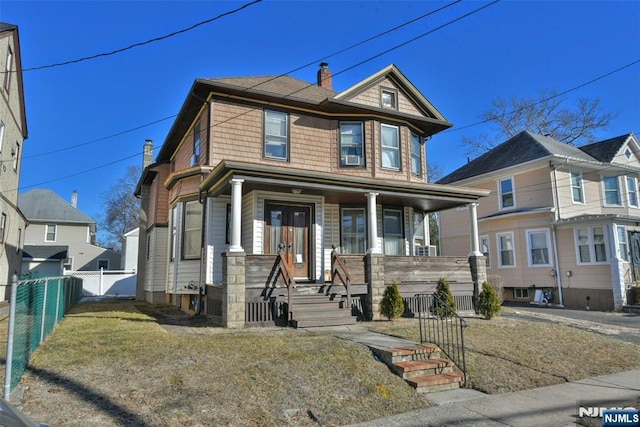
(441, 325)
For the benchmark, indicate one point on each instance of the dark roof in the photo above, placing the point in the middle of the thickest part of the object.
(45, 252)
(606, 150)
(521, 148)
(45, 205)
(4, 26)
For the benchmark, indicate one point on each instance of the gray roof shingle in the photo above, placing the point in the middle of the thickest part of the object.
(45, 205)
(606, 150)
(45, 252)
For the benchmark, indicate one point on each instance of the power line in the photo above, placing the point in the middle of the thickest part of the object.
(153, 40)
(314, 62)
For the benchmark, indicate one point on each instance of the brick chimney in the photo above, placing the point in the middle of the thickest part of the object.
(324, 76)
(147, 157)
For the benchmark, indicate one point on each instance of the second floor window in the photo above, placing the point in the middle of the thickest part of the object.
(351, 152)
(611, 190)
(276, 135)
(50, 233)
(632, 191)
(416, 155)
(577, 191)
(390, 141)
(507, 197)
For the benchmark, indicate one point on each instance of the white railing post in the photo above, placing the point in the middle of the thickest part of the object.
(44, 309)
(100, 285)
(12, 327)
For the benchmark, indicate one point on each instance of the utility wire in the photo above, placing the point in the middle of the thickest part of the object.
(397, 27)
(153, 40)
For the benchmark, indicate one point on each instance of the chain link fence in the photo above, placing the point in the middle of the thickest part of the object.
(37, 305)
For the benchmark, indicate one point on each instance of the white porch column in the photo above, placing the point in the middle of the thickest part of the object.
(475, 245)
(372, 217)
(236, 215)
(617, 271)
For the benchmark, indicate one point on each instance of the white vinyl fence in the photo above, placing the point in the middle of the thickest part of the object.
(106, 282)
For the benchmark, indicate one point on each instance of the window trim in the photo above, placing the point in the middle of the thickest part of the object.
(394, 96)
(499, 249)
(343, 160)
(604, 191)
(488, 253)
(579, 187)
(174, 233)
(384, 148)
(634, 190)
(183, 233)
(413, 154)
(501, 195)
(385, 234)
(621, 231)
(591, 245)
(547, 235)
(46, 232)
(287, 137)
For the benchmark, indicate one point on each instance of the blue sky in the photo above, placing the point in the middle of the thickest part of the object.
(511, 48)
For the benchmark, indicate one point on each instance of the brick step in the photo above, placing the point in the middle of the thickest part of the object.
(419, 368)
(438, 382)
(417, 352)
(329, 321)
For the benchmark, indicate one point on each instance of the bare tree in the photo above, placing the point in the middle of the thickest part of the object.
(544, 115)
(121, 208)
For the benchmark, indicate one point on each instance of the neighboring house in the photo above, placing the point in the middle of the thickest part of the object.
(56, 228)
(257, 166)
(130, 250)
(13, 133)
(559, 218)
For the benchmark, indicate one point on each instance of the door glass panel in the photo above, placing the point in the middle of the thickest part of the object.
(275, 230)
(299, 236)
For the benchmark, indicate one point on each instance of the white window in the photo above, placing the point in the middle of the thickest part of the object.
(1, 135)
(611, 188)
(390, 142)
(50, 233)
(507, 196)
(196, 145)
(623, 247)
(192, 236)
(388, 99)
(418, 229)
(538, 244)
(520, 293)
(484, 248)
(590, 245)
(276, 135)
(351, 152)
(632, 191)
(353, 230)
(577, 190)
(3, 225)
(8, 69)
(16, 156)
(103, 264)
(416, 155)
(174, 231)
(393, 236)
(506, 252)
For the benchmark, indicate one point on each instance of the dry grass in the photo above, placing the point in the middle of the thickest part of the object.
(110, 364)
(505, 355)
(133, 364)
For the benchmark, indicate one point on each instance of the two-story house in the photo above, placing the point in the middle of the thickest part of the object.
(60, 237)
(13, 133)
(260, 169)
(559, 218)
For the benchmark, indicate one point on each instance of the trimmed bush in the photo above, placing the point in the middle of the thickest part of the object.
(392, 305)
(444, 293)
(488, 302)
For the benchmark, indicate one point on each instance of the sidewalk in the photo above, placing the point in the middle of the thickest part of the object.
(551, 406)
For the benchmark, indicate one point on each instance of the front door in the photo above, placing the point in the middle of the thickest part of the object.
(289, 225)
(634, 241)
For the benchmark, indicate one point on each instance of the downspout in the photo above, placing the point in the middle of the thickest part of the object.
(554, 236)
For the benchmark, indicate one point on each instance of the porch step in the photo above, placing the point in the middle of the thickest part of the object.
(313, 310)
(423, 367)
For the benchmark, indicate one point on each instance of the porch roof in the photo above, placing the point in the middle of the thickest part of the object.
(337, 188)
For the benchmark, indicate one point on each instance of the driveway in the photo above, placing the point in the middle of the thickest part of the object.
(622, 326)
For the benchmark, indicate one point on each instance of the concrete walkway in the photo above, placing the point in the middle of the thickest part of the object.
(551, 406)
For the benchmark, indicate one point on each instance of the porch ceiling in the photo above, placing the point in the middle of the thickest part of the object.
(338, 189)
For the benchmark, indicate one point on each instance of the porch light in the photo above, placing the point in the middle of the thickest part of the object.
(296, 190)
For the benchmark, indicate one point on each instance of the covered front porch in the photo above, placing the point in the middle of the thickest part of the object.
(292, 233)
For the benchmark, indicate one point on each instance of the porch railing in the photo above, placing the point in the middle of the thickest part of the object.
(441, 325)
(339, 273)
(284, 276)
